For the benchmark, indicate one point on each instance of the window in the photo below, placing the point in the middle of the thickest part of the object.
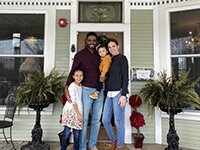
(185, 43)
(100, 12)
(21, 49)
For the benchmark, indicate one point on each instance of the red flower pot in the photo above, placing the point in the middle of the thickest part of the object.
(138, 140)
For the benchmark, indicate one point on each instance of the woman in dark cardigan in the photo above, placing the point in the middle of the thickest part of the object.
(117, 88)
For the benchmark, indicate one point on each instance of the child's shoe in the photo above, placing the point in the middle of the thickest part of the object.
(94, 95)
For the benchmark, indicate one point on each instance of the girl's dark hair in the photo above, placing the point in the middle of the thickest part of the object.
(113, 40)
(76, 69)
(102, 46)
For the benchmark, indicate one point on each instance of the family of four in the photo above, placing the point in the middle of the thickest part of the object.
(85, 95)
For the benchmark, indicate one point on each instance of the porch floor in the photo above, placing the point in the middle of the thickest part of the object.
(100, 145)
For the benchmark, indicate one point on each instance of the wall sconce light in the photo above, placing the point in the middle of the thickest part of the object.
(62, 22)
(73, 48)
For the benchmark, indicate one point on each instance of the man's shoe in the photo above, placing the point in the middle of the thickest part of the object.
(94, 95)
(94, 148)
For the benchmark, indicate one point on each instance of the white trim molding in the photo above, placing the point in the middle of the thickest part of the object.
(150, 4)
(59, 4)
(185, 115)
(66, 4)
(29, 111)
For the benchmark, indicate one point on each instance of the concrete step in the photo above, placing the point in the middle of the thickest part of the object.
(101, 145)
(102, 133)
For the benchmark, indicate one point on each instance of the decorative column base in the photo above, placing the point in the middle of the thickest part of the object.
(172, 136)
(35, 146)
(172, 140)
(37, 143)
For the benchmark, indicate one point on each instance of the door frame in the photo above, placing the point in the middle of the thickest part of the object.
(123, 27)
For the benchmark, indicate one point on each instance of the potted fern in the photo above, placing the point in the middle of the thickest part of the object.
(37, 92)
(171, 94)
(38, 88)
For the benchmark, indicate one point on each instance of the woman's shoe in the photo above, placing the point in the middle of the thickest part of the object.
(122, 148)
(113, 145)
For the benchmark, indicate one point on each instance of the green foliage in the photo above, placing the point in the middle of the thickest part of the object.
(38, 88)
(170, 92)
(102, 39)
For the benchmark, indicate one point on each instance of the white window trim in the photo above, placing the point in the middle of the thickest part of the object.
(164, 47)
(29, 111)
(49, 43)
(185, 115)
(158, 120)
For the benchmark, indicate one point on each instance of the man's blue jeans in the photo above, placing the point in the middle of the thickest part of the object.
(66, 136)
(111, 106)
(95, 108)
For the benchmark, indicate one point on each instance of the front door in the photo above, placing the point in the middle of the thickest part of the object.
(116, 30)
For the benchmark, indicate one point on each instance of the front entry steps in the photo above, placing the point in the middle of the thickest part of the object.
(102, 134)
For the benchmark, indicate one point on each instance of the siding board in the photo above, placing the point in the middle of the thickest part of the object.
(142, 56)
(187, 130)
(62, 42)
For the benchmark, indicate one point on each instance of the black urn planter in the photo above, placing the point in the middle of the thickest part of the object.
(37, 143)
(172, 136)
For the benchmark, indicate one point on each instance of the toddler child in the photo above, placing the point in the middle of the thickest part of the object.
(103, 67)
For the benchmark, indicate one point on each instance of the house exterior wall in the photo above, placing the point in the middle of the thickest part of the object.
(187, 123)
(142, 57)
(23, 124)
(187, 130)
(62, 42)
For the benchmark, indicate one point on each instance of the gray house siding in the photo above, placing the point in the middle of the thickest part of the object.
(142, 57)
(23, 125)
(187, 130)
(62, 42)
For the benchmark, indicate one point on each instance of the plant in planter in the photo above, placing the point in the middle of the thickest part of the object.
(102, 39)
(171, 94)
(137, 120)
(37, 92)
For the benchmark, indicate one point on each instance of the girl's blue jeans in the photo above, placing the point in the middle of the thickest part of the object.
(111, 106)
(66, 136)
